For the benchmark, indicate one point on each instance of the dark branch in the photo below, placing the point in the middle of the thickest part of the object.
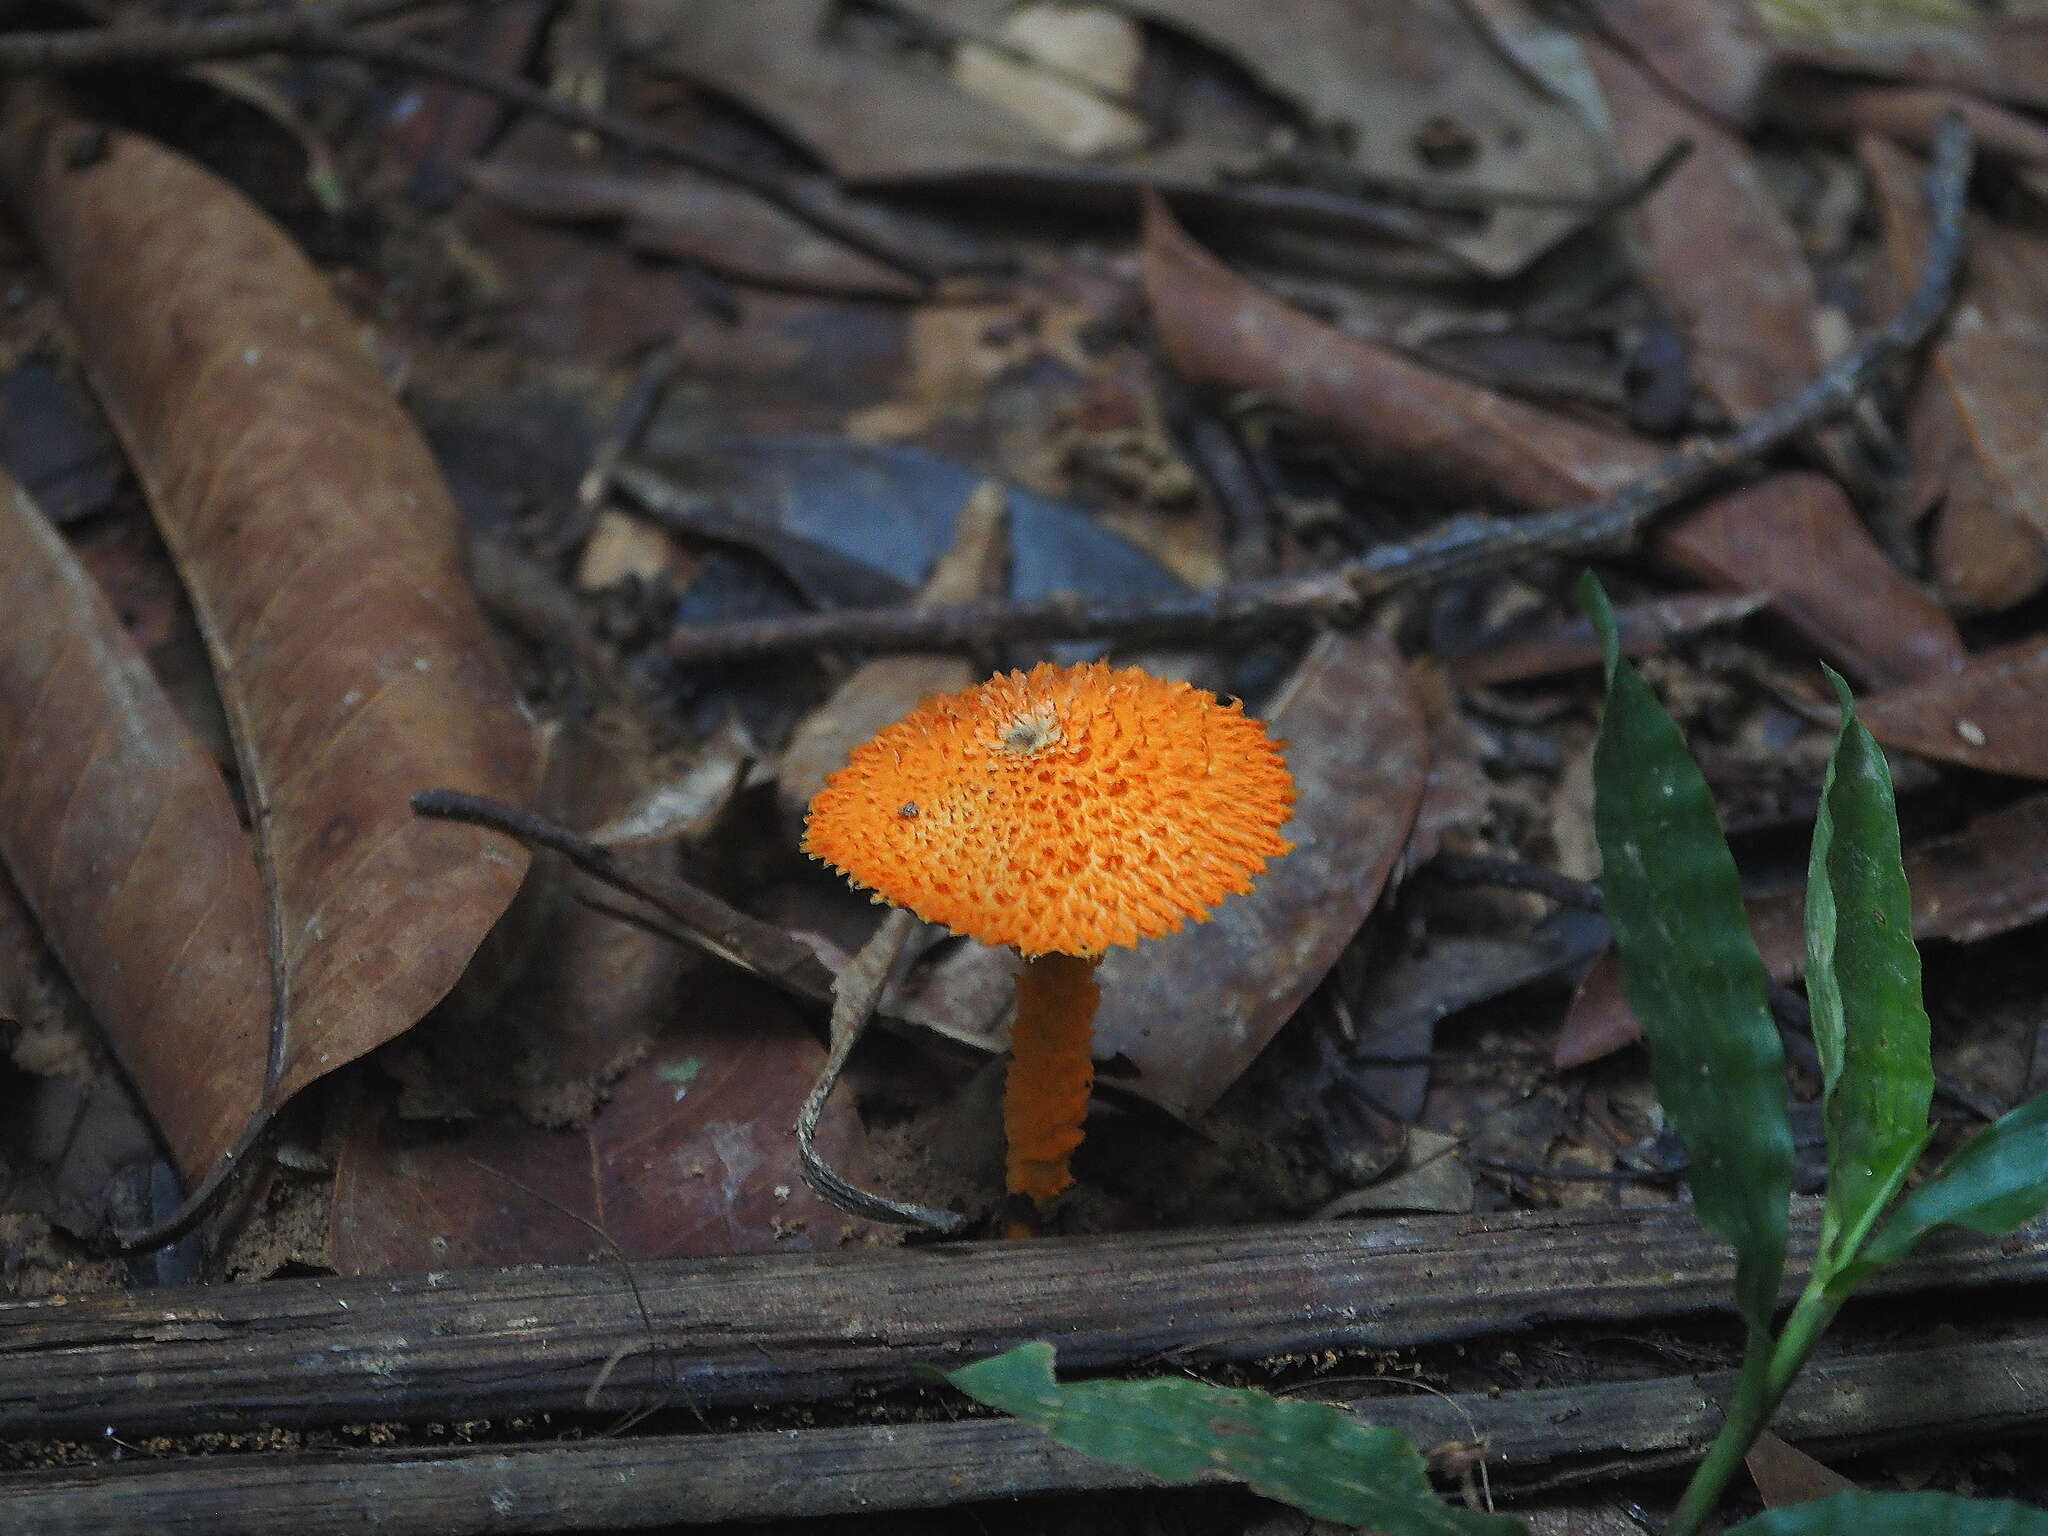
(1461, 547)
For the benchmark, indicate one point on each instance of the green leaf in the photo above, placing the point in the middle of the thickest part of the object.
(1898, 1514)
(1996, 1182)
(1691, 972)
(1863, 980)
(1320, 1459)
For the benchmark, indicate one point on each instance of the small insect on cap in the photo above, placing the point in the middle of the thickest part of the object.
(1061, 810)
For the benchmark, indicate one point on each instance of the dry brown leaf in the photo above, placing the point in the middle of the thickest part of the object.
(692, 1154)
(1719, 251)
(1992, 715)
(1987, 879)
(1792, 534)
(1192, 1010)
(1784, 1474)
(1714, 52)
(323, 558)
(121, 837)
(1974, 427)
(1418, 91)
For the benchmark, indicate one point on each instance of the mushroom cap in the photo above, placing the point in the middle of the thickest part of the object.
(1061, 810)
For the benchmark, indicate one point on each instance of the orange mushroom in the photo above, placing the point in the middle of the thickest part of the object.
(1059, 811)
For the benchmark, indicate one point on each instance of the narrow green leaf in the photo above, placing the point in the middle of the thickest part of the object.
(1318, 1458)
(1996, 1182)
(1898, 1514)
(1863, 981)
(1691, 972)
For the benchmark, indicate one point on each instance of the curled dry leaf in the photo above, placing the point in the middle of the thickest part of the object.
(1987, 879)
(322, 555)
(122, 838)
(1794, 535)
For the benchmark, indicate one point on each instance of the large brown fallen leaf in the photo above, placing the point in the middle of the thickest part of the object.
(694, 1153)
(1718, 250)
(1987, 879)
(1795, 535)
(1190, 1012)
(322, 555)
(1992, 714)
(1412, 88)
(120, 834)
(1974, 429)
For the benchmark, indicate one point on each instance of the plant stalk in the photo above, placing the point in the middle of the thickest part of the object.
(1768, 1370)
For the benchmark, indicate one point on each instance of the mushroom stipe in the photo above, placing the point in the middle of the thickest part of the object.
(1059, 811)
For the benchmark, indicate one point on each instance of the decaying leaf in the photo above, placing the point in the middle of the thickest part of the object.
(322, 556)
(1711, 51)
(1719, 251)
(1989, 878)
(1793, 534)
(1192, 1010)
(1992, 714)
(1408, 89)
(693, 1153)
(1974, 431)
(121, 836)
(1784, 1474)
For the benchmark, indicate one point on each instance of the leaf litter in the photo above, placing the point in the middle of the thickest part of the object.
(1356, 204)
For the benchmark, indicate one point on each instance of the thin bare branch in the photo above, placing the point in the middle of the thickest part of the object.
(1461, 547)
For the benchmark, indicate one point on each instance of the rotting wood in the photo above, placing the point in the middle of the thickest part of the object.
(1978, 1390)
(820, 1327)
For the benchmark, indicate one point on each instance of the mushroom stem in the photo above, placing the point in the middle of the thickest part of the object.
(1046, 1095)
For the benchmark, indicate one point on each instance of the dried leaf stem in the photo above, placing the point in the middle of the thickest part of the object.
(854, 997)
(1460, 547)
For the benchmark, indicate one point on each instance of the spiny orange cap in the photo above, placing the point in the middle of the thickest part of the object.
(1065, 809)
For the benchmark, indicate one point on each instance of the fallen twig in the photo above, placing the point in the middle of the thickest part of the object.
(1460, 547)
(334, 29)
(713, 925)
